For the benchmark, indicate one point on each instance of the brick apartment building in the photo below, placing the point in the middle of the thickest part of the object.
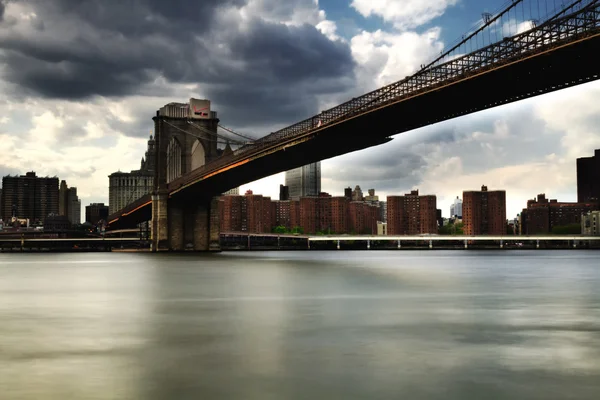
(542, 214)
(29, 197)
(411, 214)
(588, 178)
(249, 213)
(484, 212)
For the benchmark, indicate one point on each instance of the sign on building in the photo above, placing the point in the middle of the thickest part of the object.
(199, 109)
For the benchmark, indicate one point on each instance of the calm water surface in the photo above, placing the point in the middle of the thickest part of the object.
(301, 325)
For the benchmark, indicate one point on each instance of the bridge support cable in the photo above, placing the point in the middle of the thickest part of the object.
(222, 137)
(196, 135)
(236, 133)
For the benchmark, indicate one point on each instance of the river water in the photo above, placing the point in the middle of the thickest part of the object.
(301, 325)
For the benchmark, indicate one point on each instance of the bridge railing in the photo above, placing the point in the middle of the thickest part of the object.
(557, 30)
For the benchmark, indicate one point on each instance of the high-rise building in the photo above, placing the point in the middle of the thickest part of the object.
(304, 181)
(484, 212)
(542, 215)
(69, 204)
(284, 192)
(126, 187)
(348, 193)
(29, 197)
(588, 178)
(411, 214)
(456, 208)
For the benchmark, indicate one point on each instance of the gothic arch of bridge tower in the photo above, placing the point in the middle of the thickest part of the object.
(186, 139)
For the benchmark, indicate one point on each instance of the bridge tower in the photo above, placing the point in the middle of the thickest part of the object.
(186, 139)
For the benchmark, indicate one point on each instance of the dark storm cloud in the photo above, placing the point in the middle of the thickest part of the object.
(268, 73)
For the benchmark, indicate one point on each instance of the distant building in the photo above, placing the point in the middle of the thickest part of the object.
(284, 192)
(126, 187)
(484, 212)
(348, 193)
(542, 215)
(588, 178)
(29, 197)
(590, 223)
(411, 214)
(69, 204)
(249, 213)
(372, 198)
(357, 194)
(96, 212)
(383, 211)
(234, 191)
(281, 213)
(304, 181)
(381, 228)
(456, 208)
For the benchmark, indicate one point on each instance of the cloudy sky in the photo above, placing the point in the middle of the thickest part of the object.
(81, 79)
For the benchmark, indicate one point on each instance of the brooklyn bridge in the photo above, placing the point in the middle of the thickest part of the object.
(547, 49)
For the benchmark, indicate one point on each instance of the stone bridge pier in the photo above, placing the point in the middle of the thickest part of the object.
(186, 139)
(179, 225)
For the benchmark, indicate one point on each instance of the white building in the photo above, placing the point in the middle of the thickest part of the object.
(456, 208)
(304, 181)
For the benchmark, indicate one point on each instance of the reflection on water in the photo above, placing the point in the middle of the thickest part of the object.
(301, 325)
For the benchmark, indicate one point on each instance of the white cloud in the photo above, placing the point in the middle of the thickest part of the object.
(406, 14)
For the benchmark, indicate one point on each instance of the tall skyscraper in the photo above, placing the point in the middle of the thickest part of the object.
(456, 208)
(29, 197)
(126, 187)
(304, 181)
(588, 178)
(69, 204)
(484, 212)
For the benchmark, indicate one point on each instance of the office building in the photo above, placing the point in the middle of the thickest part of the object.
(590, 223)
(411, 214)
(69, 204)
(588, 178)
(284, 192)
(543, 215)
(126, 187)
(456, 208)
(29, 197)
(304, 181)
(96, 212)
(484, 212)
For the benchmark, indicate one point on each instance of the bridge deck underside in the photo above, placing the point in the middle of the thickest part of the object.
(554, 70)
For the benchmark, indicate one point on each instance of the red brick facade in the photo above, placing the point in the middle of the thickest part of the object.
(484, 212)
(411, 214)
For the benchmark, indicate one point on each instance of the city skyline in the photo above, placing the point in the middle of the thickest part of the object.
(85, 134)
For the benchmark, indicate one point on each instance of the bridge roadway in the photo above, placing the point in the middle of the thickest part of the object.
(554, 55)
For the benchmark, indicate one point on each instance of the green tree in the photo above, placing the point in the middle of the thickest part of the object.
(280, 229)
(571, 229)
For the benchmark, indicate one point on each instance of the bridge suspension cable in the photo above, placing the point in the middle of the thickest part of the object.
(236, 133)
(197, 136)
(209, 132)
